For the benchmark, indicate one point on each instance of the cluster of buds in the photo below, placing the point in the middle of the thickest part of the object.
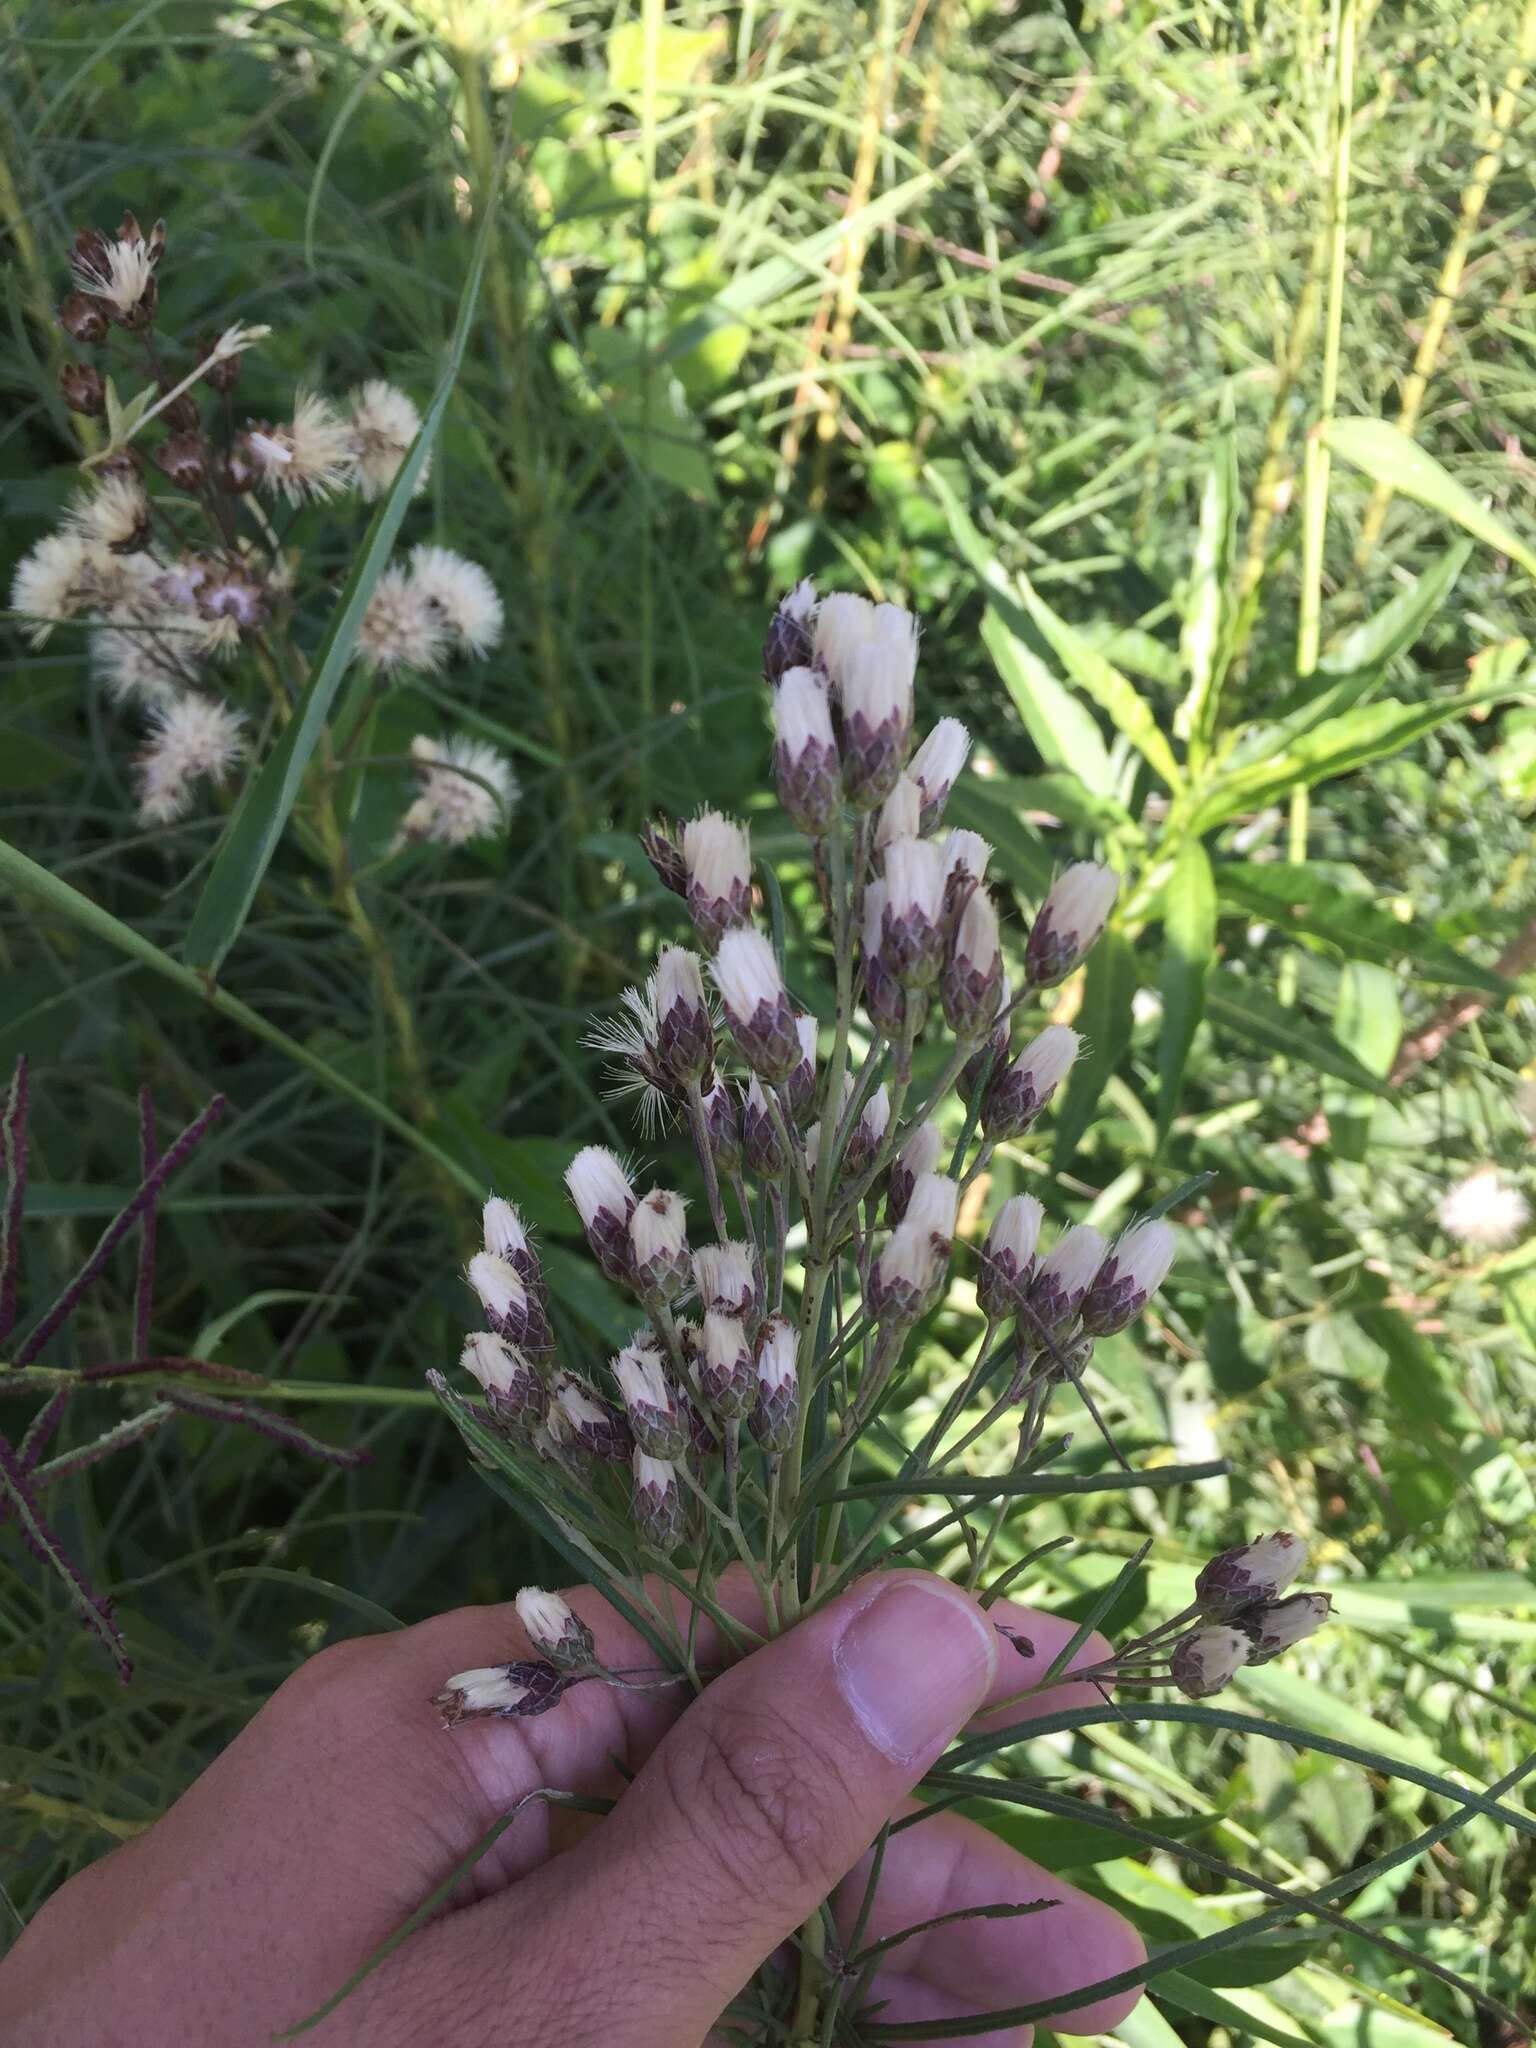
(170, 558)
(744, 1389)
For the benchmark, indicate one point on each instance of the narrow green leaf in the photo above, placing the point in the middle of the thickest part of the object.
(1190, 933)
(1252, 1013)
(1307, 903)
(1041, 1485)
(1391, 632)
(1389, 457)
(1421, 1385)
(1206, 600)
(343, 1596)
(266, 802)
(1105, 1022)
(1189, 1995)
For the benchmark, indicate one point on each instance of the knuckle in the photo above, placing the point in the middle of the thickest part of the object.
(751, 1798)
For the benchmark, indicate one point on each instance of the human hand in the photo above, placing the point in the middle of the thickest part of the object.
(344, 1804)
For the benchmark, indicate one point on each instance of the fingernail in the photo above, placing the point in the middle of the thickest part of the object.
(914, 1666)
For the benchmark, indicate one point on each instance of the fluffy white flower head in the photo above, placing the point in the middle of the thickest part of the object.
(1080, 901)
(599, 1185)
(490, 1360)
(462, 593)
(498, 1285)
(717, 855)
(878, 674)
(54, 580)
(802, 716)
(467, 791)
(115, 513)
(776, 1367)
(843, 623)
(1144, 1255)
(642, 1379)
(309, 457)
(400, 629)
(120, 274)
(1484, 1210)
(193, 739)
(747, 974)
(658, 1228)
(1047, 1059)
(384, 422)
(502, 1228)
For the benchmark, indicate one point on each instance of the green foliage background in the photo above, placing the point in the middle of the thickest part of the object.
(801, 292)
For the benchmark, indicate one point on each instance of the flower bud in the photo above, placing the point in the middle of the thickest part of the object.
(756, 1006)
(659, 1425)
(933, 1206)
(1207, 1659)
(1070, 920)
(789, 644)
(935, 768)
(1017, 1094)
(665, 856)
(760, 1139)
(514, 1393)
(722, 1128)
(597, 1425)
(1061, 1284)
(1008, 1257)
(522, 1689)
(183, 458)
(554, 1628)
(658, 1246)
(900, 814)
(919, 1155)
(685, 1038)
(1249, 1573)
(221, 372)
(503, 1294)
(725, 1369)
(906, 1277)
(843, 622)
(605, 1201)
(82, 388)
(1137, 1266)
(876, 694)
(868, 1134)
(912, 937)
(965, 857)
(778, 1386)
(506, 1235)
(884, 998)
(718, 861)
(83, 319)
(724, 1277)
(805, 754)
(1282, 1624)
(800, 1088)
(972, 979)
(657, 1504)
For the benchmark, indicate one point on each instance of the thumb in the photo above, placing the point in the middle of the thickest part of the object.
(762, 1797)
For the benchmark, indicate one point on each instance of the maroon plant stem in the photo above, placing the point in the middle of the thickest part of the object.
(66, 1304)
(144, 1282)
(40, 1429)
(21, 1504)
(133, 1430)
(15, 1152)
(195, 1368)
(274, 1426)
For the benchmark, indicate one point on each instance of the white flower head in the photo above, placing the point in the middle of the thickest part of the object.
(192, 739)
(747, 974)
(900, 815)
(491, 1361)
(503, 1231)
(467, 791)
(642, 1378)
(384, 422)
(717, 855)
(462, 594)
(878, 675)
(876, 901)
(658, 1228)
(1016, 1231)
(1207, 1659)
(599, 1185)
(723, 1275)
(1282, 1624)
(802, 716)
(1047, 1059)
(966, 853)
(311, 456)
(799, 603)
(499, 1286)
(679, 982)
(1066, 1275)
(875, 1118)
(934, 1204)
(114, 513)
(977, 940)
(490, 1689)
(552, 1626)
(777, 1369)
(1136, 1267)
(1075, 911)
(936, 765)
(1484, 1210)
(914, 880)
(139, 661)
(400, 628)
(1248, 1573)
(54, 580)
(843, 623)
(920, 1154)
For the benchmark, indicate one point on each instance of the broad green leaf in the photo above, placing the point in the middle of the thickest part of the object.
(1064, 797)
(1336, 747)
(1421, 1384)
(268, 798)
(1390, 632)
(1105, 1022)
(1306, 902)
(1389, 457)
(1244, 2014)
(1114, 693)
(1189, 917)
(1206, 600)
(1234, 1005)
(679, 54)
(1368, 1022)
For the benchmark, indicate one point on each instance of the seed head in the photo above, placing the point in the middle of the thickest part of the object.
(1248, 1574)
(192, 739)
(1008, 1257)
(467, 791)
(119, 273)
(756, 1005)
(1070, 921)
(461, 597)
(308, 457)
(1207, 1659)
(400, 629)
(555, 1630)
(115, 515)
(1135, 1269)
(1485, 1210)
(718, 863)
(384, 422)
(1017, 1094)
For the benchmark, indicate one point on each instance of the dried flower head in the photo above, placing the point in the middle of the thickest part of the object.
(384, 422)
(1248, 1574)
(1484, 1210)
(192, 739)
(119, 272)
(114, 513)
(461, 595)
(308, 457)
(1207, 1659)
(467, 791)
